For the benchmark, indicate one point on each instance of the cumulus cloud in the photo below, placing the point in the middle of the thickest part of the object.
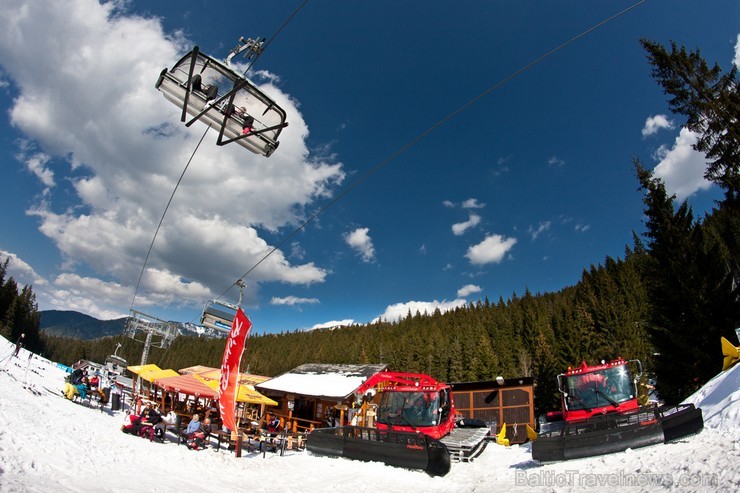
(682, 168)
(655, 123)
(69, 291)
(399, 311)
(21, 271)
(359, 240)
(460, 228)
(90, 107)
(736, 58)
(467, 290)
(90, 295)
(492, 249)
(555, 161)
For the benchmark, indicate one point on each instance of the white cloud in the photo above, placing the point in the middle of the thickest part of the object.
(293, 300)
(70, 291)
(460, 228)
(472, 204)
(359, 240)
(333, 324)
(467, 290)
(91, 296)
(21, 271)
(493, 249)
(544, 226)
(555, 161)
(736, 58)
(682, 168)
(582, 228)
(655, 123)
(36, 164)
(88, 104)
(399, 311)
(297, 251)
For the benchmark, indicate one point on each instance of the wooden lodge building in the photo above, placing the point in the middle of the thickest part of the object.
(317, 395)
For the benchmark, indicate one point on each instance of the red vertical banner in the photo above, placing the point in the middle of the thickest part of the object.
(227, 388)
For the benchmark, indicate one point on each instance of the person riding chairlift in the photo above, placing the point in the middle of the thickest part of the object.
(209, 90)
(241, 112)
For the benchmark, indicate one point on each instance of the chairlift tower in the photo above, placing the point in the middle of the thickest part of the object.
(156, 332)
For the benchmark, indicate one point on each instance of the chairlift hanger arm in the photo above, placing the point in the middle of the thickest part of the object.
(193, 58)
(227, 114)
(254, 46)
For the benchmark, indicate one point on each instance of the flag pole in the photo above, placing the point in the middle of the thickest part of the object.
(238, 444)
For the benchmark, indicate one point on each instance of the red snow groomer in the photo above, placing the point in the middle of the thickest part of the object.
(413, 402)
(601, 415)
(414, 412)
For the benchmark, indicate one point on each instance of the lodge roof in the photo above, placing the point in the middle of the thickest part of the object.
(325, 381)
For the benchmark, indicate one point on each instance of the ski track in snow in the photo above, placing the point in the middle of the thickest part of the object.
(48, 443)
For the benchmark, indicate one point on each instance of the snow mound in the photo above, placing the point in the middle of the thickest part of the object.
(718, 400)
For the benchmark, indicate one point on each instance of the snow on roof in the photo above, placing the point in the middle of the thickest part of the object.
(326, 381)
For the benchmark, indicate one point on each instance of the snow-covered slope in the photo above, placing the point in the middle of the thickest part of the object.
(50, 444)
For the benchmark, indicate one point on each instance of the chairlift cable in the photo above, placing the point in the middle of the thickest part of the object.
(426, 132)
(164, 213)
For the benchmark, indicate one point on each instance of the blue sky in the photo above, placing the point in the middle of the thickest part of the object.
(523, 189)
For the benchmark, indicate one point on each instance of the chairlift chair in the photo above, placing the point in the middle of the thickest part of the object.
(218, 315)
(212, 92)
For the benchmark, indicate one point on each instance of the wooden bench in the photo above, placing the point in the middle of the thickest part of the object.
(284, 440)
(222, 436)
(230, 438)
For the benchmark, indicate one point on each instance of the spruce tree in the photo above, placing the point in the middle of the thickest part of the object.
(710, 101)
(695, 300)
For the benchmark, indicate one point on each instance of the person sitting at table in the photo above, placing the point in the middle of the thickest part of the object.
(193, 425)
(131, 424)
(153, 418)
(271, 427)
(197, 439)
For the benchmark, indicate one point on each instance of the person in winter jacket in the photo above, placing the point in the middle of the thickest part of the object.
(197, 440)
(76, 376)
(131, 424)
(193, 425)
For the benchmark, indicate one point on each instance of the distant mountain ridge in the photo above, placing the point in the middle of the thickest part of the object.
(78, 325)
(67, 323)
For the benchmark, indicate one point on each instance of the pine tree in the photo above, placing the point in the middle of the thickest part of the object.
(694, 298)
(711, 103)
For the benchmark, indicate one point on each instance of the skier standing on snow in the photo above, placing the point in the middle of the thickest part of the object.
(18, 345)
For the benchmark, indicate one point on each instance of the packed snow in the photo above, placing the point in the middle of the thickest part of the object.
(49, 443)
